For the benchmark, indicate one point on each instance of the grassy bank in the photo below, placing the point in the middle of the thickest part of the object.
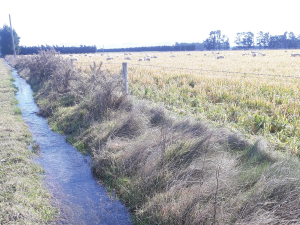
(23, 199)
(168, 169)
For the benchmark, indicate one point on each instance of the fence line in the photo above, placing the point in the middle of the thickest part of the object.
(217, 71)
(230, 73)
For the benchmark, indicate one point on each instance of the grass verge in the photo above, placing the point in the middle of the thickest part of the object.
(23, 199)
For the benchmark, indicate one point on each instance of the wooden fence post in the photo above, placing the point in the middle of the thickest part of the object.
(124, 64)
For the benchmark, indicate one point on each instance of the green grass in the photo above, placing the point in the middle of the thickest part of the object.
(23, 197)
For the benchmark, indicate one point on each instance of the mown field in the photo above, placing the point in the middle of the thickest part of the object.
(255, 95)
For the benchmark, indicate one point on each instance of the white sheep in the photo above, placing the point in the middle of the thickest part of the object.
(154, 57)
(74, 59)
(146, 59)
(220, 57)
(109, 58)
(263, 54)
(141, 59)
(189, 54)
(254, 54)
(127, 58)
(125, 54)
(172, 55)
(205, 54)
(295, 54)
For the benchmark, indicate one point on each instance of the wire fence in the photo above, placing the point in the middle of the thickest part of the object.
(246, 100)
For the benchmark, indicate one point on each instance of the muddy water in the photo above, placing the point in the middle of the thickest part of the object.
(76, 193)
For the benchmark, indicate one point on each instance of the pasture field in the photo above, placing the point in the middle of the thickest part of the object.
(166, 168)
(258, 96)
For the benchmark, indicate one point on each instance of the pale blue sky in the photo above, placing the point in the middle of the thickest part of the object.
(116, 23)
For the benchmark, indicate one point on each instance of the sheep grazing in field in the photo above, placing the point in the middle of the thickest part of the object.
(85, 55)
(154, 57)
(71, 55)
(220, 57)
(205, 54)
(254, 54)
(125, 54)
(295, 54)
(127, 58)
(146, 59)
(189, 54)
(285, 51)
(109, 58)
(73, 59)
(263, 54)
(130, 54)
(141, 59)
(172, 55)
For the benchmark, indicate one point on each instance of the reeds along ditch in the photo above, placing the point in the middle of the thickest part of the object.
(168, 169)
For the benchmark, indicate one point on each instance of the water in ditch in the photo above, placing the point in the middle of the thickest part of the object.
(68, 176)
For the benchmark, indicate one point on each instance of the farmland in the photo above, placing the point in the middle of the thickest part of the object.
(228, 91)
(166, 168)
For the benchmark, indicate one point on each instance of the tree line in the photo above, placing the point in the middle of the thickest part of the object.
(189, 47)
(215, 41)
(245, 40)
(65, 50)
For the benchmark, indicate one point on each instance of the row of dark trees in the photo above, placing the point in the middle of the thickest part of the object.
(245, 40)
(216, 41)
(66, 50)
(189, 47)
(198, 45)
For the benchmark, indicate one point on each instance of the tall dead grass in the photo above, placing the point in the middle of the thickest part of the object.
(168, 169)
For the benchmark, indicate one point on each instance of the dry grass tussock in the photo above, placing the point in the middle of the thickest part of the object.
(169, 169)
(23, 199)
